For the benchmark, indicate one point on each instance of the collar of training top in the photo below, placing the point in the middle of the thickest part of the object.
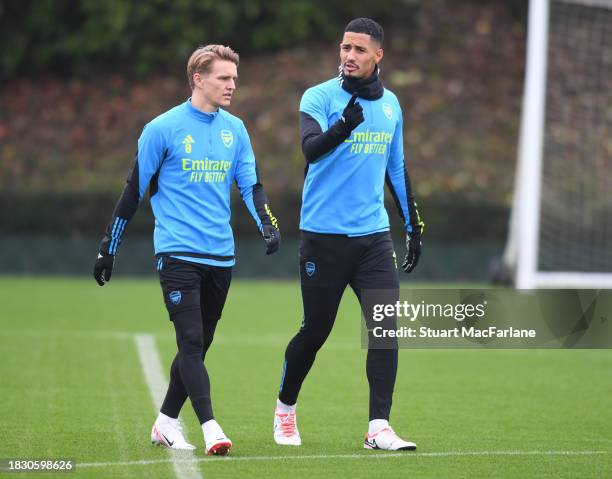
(205, 116)
(370, 88)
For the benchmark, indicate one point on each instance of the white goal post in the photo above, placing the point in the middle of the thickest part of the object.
(561, 223)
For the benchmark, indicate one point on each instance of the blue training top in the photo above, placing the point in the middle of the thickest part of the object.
(344, 189)
(190, 159)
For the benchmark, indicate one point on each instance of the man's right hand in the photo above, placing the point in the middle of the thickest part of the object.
(103, 268)
(352, 116)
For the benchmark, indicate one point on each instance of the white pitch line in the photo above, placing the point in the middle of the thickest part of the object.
(381, 455)
(67, 334)
(184, 462)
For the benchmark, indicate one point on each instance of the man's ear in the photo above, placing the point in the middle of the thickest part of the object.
(378, 56)
(197, 79)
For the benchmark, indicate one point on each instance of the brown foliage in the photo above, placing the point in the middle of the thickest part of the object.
(458, 74)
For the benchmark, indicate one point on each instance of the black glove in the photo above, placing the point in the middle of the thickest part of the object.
(413, 247)
(103, 268)
(352, 115)
(272, 237)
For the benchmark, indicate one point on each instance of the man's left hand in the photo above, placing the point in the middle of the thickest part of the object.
(413, 247)
(272, 237)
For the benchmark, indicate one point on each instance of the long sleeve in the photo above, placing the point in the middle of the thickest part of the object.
(315, 142)
(251, 189)
(318, 137)
(144, 172)
(398, 182)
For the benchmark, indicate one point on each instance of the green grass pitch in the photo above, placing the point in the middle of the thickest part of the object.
(73, 387)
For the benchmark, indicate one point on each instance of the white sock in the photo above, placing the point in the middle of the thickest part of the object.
(211, 428)
(284, 408)
(376, 425)
(162, 418)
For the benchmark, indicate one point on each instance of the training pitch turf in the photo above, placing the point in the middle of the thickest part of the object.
(74, 386)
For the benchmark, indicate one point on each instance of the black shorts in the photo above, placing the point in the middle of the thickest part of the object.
(186, 285)
(329, 263)
(335, 261)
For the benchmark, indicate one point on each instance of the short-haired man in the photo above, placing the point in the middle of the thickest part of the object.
(352, 148)
(189, 157)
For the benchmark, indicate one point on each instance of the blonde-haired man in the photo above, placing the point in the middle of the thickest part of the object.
(189, 157)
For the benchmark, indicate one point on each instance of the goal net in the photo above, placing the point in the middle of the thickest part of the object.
(561, 224)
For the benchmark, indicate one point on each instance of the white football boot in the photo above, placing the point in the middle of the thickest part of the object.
(217, 443)
(168, 432)
(285, 428)
(386, 439)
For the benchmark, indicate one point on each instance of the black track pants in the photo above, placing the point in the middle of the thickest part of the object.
(194, 295)
(328, 263)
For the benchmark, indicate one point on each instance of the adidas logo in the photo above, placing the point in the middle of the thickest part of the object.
(187, 142)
